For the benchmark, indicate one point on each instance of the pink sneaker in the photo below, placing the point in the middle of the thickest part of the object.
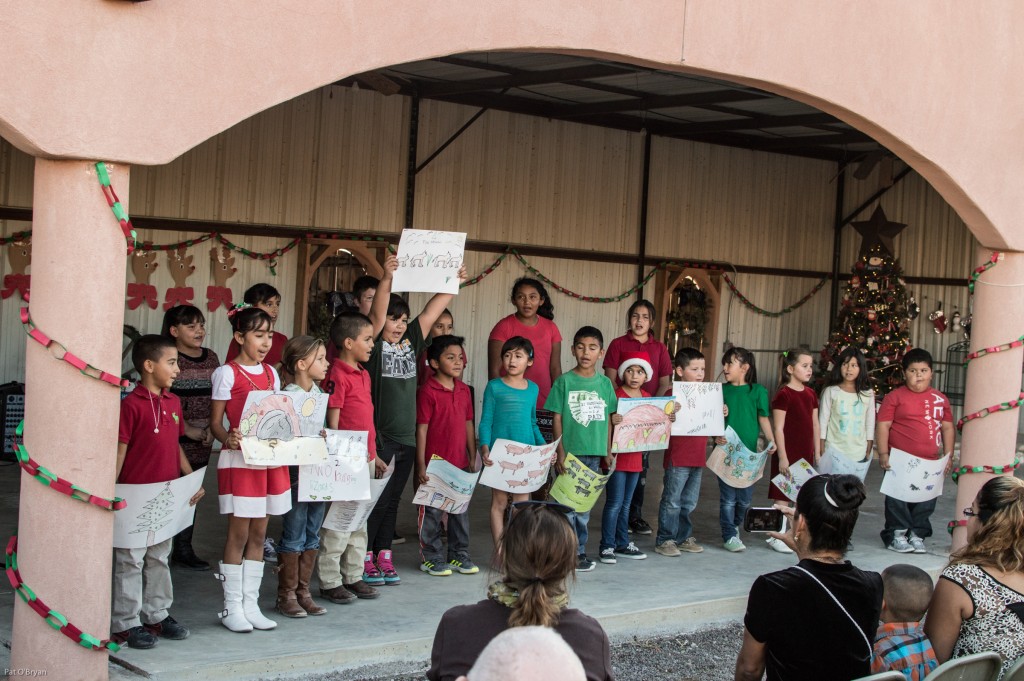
(387, 568)
(371, 575)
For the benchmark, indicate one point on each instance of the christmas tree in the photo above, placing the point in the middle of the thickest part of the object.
(157, 512)
(873, 313)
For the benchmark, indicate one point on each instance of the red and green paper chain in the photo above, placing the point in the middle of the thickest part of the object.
(995, 408)
(181, 244)
(60, 352)
(981, 269)
(120, 213)
(761, 311)
(480, 277)
(995, 348)
(17, 236)
(586, 299)
(994, 470)
(52, 617)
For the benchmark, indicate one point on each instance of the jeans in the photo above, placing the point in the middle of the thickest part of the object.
(431, 548)
(678, 499)
(141, 586)
(300, 527)
(579, 520)
(636, 504)
(733, 503)
(902, 515)
(615, 518)
(380, 527)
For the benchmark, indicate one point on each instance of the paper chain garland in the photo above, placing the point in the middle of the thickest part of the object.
(17, 236)
(996, 348)
(743, 299)
(60, 352)
(981, 269)
(586, 299)
(115, 205)
(994, 470)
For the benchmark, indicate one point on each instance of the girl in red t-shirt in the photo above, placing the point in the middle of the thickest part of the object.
(248, 494)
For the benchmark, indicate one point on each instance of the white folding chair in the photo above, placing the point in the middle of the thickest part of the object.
(883, 676)
(1016, 671)
(977, 667)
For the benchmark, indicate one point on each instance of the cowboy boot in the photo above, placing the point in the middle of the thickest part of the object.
(307, 560)
(287, 579)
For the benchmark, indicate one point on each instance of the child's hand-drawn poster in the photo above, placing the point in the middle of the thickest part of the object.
(736, 465)
(701, 409)
(913, 479)
(799, 473)
(350, 516)
(429, 261)
(449, 487)
(155, 512)
(518, 468)
(646, 424)
(345, 476)
(579, 487)
(835, 462)
(283, 428)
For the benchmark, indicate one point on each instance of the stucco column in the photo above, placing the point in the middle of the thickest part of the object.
(64, 546)
(996, 377)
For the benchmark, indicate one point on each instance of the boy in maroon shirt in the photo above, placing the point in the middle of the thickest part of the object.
(148, 452)
(444, 429)
(917, 419)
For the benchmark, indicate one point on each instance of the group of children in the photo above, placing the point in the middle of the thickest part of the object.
(399, 379)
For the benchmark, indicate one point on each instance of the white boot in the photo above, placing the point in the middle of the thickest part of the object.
(232, 616)
(252, 577)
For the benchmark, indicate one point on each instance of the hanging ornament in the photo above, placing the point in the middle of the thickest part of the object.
(874, 261)
(872, 315)
(871, 341)
(938, 319)
(913, 309)
(954, 322)
(855, 281)
(966, 326)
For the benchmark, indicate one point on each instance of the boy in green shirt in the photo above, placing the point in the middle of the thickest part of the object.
(582, 401)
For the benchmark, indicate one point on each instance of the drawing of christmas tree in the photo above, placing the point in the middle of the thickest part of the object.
(157, 512)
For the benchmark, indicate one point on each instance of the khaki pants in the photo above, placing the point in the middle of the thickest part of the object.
(142, 585)
(340, 560)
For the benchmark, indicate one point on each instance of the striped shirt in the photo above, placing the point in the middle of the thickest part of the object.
(903, 647)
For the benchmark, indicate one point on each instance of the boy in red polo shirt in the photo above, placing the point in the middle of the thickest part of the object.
(148, 452)
(349, 407)
(444, 429)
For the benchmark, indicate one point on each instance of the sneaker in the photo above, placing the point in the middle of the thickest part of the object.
(607, 556)
(371, 575)
(630, 551)
(464, 566)
(917, 544)
(734, 544)
(899, 544)
(397, 539)
(435, 569)
(778, 545)
(168, 628)
(640, 526)
(584, 564)
(387, 568)
(136, 637)
(690, 546)
(269, 551)
(668, 548)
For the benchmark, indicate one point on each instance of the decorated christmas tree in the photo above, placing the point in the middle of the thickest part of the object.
(873, 315)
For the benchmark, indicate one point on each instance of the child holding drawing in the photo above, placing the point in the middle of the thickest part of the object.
(340, 565)
(747, 402)
(305, 359)
(509, 412)
(846, 413)
(795, 412)
(634, 370)
(582, 401)
(148, 452)
(917, 419)
(444, 430)
(248, 494)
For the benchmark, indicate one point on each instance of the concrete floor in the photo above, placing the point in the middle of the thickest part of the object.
(631, 598)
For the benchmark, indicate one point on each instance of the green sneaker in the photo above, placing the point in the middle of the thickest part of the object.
(464, 566)
(734, 544)
(435, 570)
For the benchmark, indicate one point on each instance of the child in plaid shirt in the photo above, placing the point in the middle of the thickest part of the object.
(901, 644)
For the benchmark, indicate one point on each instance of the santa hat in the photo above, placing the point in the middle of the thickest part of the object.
(636, 359)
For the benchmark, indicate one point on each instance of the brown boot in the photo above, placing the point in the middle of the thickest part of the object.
(287, 580)
(362, 590)
(339, 595)
(307, 559)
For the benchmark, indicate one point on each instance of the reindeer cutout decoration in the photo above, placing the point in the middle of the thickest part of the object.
(141, 291)
(181, 267)
(19, 255)
(223, 264)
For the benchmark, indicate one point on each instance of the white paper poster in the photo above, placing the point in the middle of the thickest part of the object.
(449, 488)
(345, 476)
(799, 473)
(283, 428)
(518, 468)
(155, 512)
(700, 409)
(350, 516)
(646, 424)
(429, 261)
(734, 463)
(835, 462)
(913, 479)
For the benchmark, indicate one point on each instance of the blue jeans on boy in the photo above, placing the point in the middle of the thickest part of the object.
(678, 499)
(733, 503)
(300, 527)
(615, 518)
(579, 520)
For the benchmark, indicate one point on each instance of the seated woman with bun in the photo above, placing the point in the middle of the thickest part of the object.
(978, 604)
(817, 619)
(538, 550)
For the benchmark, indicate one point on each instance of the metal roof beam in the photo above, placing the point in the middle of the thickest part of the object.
(521, 79)
(652, 102)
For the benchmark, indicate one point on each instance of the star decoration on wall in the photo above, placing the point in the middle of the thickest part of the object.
(878, 230)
